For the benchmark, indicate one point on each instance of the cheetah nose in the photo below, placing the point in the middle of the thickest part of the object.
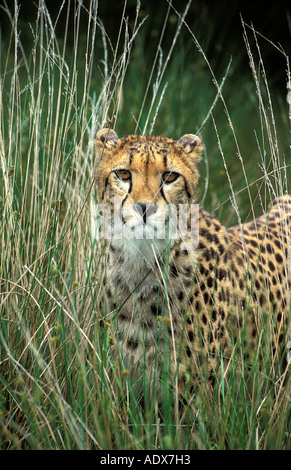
(145, 210)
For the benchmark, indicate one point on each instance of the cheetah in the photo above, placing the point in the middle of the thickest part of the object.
(176, 297)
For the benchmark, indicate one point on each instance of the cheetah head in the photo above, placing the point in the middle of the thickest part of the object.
(143, 178)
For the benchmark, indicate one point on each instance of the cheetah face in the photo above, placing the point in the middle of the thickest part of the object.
(141, 207)
(146, 181)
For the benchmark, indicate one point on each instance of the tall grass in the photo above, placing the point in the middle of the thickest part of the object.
(59, 388)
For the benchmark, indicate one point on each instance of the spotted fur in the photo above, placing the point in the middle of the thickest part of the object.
(174, 301)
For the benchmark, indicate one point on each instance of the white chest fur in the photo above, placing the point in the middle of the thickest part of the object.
(138, 263)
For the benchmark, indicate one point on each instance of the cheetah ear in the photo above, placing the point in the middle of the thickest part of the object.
(191, 144)
(106, 139)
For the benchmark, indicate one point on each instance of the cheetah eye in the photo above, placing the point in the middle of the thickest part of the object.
(169, 176)
(123, 175)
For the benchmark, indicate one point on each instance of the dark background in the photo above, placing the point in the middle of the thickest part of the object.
(270, 19)
(217, 24)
